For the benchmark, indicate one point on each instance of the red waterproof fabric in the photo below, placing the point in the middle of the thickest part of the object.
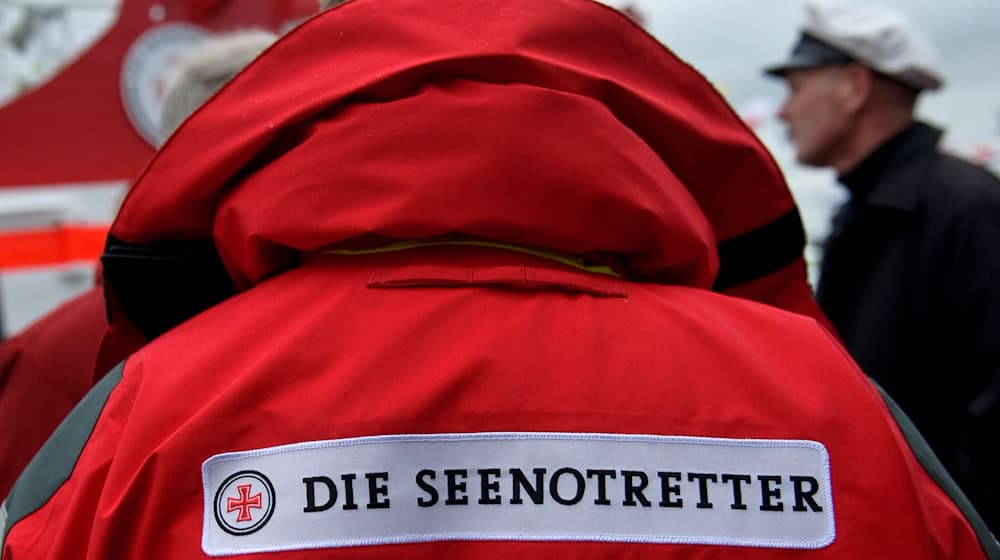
(554, 124)
(316, 354)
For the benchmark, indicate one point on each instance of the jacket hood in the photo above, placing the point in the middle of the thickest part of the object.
(556, 124)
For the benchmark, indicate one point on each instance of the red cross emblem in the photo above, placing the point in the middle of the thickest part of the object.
(244, 503)
(235, 500)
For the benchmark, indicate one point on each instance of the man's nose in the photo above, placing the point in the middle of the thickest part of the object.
(784, 112)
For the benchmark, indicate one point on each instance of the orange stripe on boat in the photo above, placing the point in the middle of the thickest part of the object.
(53, 246)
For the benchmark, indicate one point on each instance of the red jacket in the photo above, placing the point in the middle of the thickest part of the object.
(473, 249)
(47, 368)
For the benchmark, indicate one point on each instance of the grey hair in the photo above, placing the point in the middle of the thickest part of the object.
(204, 70)
(324, 4)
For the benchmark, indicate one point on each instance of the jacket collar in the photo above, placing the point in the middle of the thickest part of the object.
(887, 178)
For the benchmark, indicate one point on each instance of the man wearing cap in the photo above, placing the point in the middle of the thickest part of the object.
(910, 266)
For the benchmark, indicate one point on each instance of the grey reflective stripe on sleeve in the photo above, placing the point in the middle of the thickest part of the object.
(54, 462)
(3, 522)
(940, 475)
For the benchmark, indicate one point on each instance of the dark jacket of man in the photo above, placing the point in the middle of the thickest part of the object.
(911, 280)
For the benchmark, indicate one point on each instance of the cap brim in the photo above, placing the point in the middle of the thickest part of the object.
(809, 53)
(795, 63)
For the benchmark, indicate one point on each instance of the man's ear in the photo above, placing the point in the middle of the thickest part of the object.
(855, 86)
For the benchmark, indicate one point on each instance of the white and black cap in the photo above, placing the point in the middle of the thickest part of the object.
(837, 32)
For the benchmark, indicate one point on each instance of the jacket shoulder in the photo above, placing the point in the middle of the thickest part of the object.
(960, 184)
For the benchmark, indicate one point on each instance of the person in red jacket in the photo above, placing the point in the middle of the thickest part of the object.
(460, 280)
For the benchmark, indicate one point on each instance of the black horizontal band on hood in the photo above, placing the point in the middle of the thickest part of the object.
(160, 285)
(761, 251)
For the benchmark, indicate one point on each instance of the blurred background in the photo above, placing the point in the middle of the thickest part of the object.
(80, 79)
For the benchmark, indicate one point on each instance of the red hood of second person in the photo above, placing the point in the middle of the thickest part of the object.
(556, 124)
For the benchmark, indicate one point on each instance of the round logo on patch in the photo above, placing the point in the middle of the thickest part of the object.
(244, 503)
(146, 69)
